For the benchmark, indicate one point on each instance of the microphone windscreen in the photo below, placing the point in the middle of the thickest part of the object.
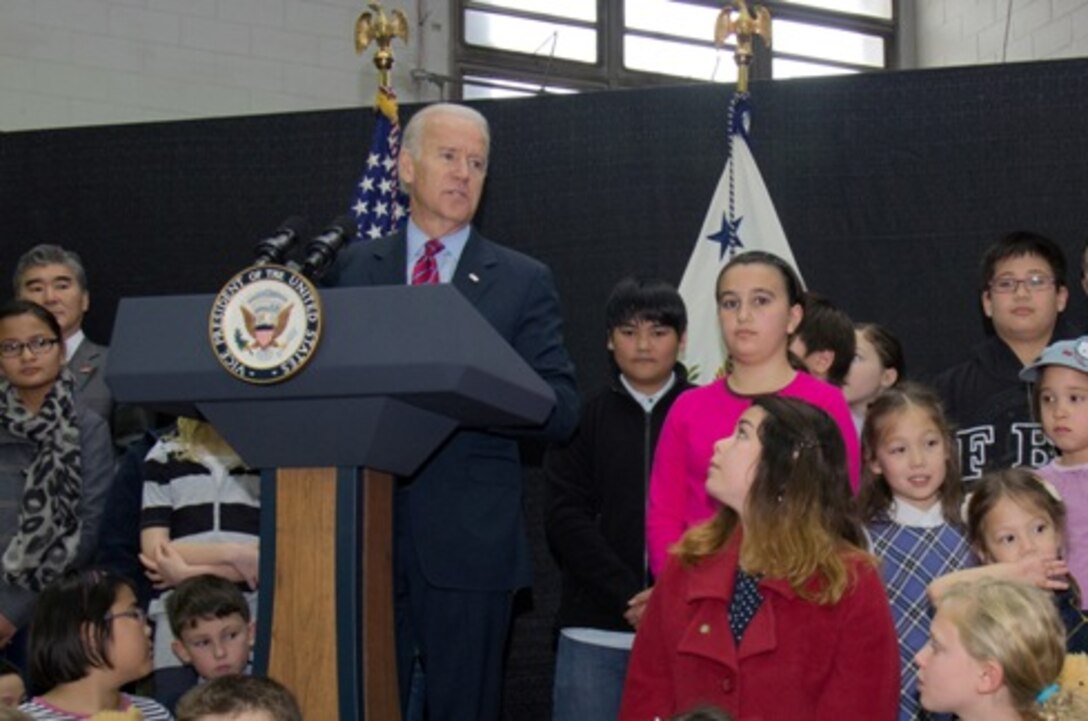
(296, 225)
(344, 225)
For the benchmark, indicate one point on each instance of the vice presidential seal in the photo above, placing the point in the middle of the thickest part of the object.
(265, 324)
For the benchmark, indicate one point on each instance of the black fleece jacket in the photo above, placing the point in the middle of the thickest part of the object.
(596, 505)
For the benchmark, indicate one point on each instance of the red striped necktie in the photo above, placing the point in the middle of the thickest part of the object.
(425, 271)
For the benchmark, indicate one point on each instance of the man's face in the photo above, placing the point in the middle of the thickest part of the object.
(55, 288)
(446, 180)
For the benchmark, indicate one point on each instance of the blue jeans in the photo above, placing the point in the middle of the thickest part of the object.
(588, 681)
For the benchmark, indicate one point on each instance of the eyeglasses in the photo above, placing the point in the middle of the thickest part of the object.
(37, 346)
(137, 614)
(1033, 283)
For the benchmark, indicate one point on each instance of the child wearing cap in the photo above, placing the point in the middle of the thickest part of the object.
(1060, 402)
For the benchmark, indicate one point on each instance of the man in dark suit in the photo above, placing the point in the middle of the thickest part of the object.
(54, 278)
(460, 547)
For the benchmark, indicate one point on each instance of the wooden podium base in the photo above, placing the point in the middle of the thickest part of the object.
(331, 636)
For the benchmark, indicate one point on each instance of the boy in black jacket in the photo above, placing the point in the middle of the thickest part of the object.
(597, 499)
(1023, 294)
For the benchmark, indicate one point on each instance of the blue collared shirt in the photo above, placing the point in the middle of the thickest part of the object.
(447, 259)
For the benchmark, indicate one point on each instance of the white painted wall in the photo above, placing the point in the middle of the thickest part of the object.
(970, 32)
(87, 62)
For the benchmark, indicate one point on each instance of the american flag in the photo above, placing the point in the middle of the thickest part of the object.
(379, 205)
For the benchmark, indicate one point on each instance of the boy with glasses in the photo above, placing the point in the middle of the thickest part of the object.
(1023, 294)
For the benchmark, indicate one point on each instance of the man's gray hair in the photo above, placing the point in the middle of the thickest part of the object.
(47, 254)
(413, 132)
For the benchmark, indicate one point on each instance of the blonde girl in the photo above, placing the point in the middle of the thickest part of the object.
(995, 654)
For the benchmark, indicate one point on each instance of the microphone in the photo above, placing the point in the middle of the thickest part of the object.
(322, 250)
(275, 248)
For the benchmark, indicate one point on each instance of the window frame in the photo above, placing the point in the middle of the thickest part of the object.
(609, 72)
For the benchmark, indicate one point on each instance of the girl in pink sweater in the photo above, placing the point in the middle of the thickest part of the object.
(759, 299)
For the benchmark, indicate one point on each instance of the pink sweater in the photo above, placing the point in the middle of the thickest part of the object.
(697, 420)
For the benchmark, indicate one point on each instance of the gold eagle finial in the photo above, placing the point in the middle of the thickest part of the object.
(376, 26)
(747, 25)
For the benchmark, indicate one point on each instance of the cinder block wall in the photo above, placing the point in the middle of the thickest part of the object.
(972, 32)
(87, 62)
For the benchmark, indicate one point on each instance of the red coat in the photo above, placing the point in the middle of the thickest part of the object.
(797, 661)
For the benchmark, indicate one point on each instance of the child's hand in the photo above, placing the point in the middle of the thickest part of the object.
(636, 605)
(1047, 573)
(151, 568)
(172, 567)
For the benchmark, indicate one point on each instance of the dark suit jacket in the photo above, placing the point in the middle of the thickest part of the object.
(465, 503)
(88, 366)
(127, 423)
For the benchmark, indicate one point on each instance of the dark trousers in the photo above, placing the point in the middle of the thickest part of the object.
(459, 635)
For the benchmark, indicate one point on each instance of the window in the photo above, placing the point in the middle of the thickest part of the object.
(531, 37)
(509, 48)
(478, 88)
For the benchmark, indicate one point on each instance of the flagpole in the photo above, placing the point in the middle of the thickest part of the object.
(378, 204)
(740, 216)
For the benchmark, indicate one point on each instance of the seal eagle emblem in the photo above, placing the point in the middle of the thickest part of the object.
(265, 323)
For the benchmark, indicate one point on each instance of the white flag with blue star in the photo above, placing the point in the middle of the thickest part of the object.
(741, 217)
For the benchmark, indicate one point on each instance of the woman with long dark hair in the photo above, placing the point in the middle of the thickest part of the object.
(771, 609)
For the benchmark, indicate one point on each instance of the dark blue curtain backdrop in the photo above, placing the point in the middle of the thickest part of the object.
(889, 187)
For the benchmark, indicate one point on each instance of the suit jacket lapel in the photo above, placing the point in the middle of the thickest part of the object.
(477, 268)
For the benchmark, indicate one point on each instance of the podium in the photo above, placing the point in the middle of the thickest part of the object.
(397, 371)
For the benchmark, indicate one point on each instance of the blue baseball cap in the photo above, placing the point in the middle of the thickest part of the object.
(1069, 353)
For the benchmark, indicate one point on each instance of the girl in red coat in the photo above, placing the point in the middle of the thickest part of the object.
(770, 610)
